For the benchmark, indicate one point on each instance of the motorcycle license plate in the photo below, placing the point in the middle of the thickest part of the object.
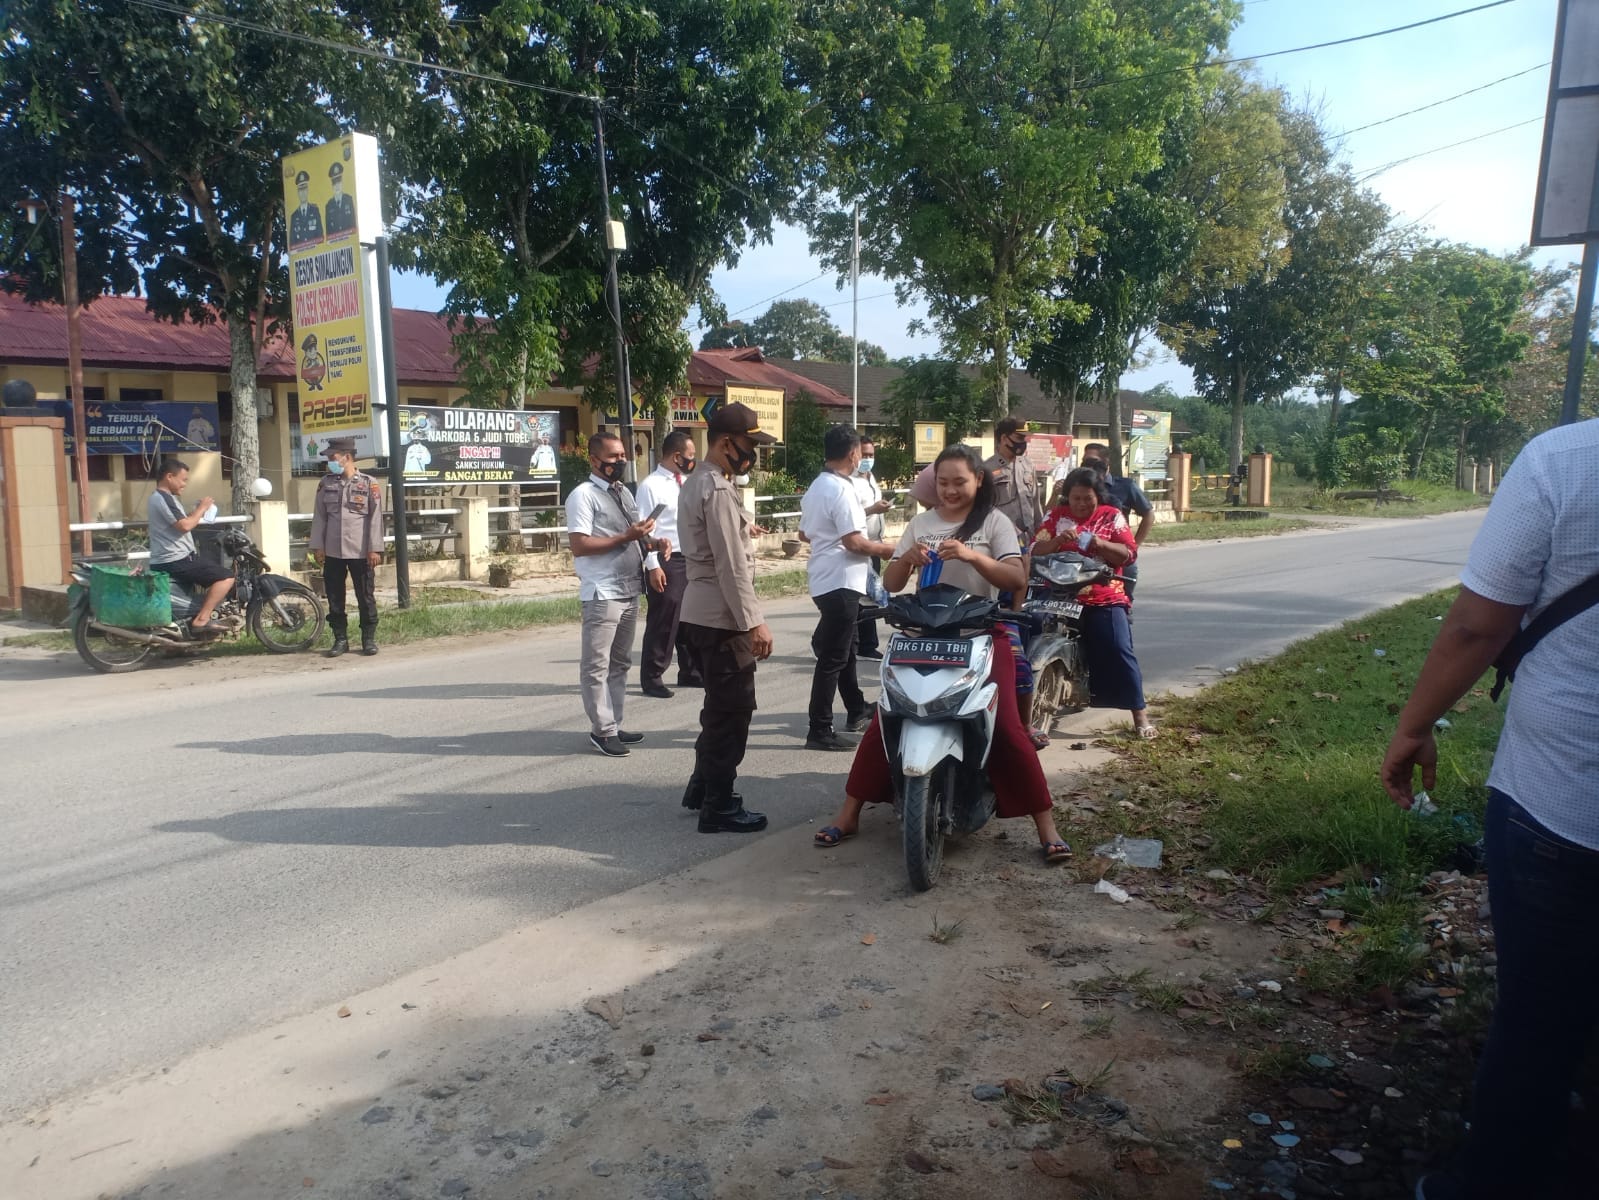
(1062, 608)
(929, 652)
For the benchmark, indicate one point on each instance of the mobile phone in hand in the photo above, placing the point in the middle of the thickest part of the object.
(656, 512)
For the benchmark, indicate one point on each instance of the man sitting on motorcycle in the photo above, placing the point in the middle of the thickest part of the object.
(1094, 527)
(978, 552)
(172, 548)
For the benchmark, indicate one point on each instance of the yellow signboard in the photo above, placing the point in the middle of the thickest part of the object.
(334, 351)
(767, 403)
(929, 440)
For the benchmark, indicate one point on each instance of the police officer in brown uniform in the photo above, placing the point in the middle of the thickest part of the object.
(347, 532)
(721, 619)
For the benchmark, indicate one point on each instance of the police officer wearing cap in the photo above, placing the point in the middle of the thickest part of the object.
(347, 532)
(721, 619)
(341, 208)
(305, 223)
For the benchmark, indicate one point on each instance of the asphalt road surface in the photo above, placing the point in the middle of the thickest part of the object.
(203, 848)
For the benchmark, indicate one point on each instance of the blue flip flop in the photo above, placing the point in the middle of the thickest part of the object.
(829, 836)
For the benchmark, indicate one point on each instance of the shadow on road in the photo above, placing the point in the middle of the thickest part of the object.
(499, 690)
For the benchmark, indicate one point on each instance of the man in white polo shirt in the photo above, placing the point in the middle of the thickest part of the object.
(1536, 556)
(833, 519)
(668, 577)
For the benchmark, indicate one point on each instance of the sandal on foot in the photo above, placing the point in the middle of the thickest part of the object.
(829, 836)
(1146, 732)
(1040, 738)
(1056, 852)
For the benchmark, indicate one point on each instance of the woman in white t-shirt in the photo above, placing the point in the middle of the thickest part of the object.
(976, 550)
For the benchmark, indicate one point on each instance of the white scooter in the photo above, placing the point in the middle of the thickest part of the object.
(937, 712)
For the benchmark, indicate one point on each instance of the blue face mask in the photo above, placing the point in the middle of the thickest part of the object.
(866, 466)
(335, 467)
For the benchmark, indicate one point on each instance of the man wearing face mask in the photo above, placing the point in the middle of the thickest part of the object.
(609, 542)
(875, 504)
(721, 618)
(1016, 495)
(347, 532)
(666, 577)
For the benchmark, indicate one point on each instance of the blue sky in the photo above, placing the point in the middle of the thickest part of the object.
(1478, 193)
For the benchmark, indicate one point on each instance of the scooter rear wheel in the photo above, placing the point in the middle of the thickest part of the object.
(919, 825)
(107, 653)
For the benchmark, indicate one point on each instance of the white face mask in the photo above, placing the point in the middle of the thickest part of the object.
(742, 480)
(866, 466)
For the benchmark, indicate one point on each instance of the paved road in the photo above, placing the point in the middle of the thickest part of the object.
(200, 849)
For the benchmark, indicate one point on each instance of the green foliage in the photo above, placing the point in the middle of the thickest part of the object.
(979, 157)
(573, 468)
(931, 389)
(804, 427)
(1207, 451)
(799, 329)
(896, 464)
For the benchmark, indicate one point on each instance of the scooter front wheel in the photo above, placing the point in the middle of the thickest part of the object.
(921, 829)
(107, 653)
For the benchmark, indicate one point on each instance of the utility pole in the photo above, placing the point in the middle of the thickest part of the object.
(855, 323)
(80, 422)
(391, 394)
(1581, 331)
(615, 243)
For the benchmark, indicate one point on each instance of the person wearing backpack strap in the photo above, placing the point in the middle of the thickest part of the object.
(1538, 545)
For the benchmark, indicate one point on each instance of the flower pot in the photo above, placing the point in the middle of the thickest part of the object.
(500, 575)
(791, 547)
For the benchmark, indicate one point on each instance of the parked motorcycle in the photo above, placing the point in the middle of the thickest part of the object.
(937, 712)
(1053, 632)
(286, 617)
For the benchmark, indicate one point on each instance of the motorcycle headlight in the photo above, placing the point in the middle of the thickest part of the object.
(947, 702)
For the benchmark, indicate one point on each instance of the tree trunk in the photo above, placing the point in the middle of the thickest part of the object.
(1337, 403)
(1236, 449)
(515, 397)
(245, 442)
(1460, 459)
(1113, 418)
(1068, 411)
(1421, 450)
(1001, 373)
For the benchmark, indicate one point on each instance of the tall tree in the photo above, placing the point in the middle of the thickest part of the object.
(931, 389)
(981, 136)
(170, 131)
(1255, 333)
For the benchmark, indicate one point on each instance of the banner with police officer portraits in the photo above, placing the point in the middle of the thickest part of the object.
(478, 445)
(335, 342)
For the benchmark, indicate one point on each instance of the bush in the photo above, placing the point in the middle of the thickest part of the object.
(896, 465)
(1207, 451)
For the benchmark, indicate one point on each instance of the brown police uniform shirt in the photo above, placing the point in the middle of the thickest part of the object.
(347, 516)
(1016, 494)
(718, 553)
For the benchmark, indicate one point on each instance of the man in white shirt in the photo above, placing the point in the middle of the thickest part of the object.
(1538, 545)
(833, 519)
(875, 504)
(669, 577)
(609, 542)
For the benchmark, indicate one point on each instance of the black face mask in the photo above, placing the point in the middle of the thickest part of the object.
(612, 472)
(1095, 464)
(1018, 446)
(742, 460)
(685, 466)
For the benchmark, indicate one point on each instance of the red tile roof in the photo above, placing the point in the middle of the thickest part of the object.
(120, 332)
(713, 370)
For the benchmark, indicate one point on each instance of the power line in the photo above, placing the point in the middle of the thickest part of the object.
(1372, 174)
(1446, 100)
(775, 295)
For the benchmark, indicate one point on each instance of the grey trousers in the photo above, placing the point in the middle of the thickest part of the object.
(607, 654)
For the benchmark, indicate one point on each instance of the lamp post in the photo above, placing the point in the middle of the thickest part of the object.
(615, 243)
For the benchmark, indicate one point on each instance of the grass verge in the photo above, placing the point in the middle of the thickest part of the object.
(1289, 496)
(1166, 533)
(449, 612)
(1272, 774)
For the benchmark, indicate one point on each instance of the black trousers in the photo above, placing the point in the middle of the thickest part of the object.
(363, 577)
(833, 643)
(726, 659)
(663, 632)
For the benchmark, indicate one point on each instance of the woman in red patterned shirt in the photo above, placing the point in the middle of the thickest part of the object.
(1089, 524)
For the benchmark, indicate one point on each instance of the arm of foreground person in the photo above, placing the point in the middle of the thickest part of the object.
(1474, 632)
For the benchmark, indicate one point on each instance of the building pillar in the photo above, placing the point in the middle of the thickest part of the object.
(1179, 481)
(472, 541)
(35, 544)
(269, 530)
(1260, 480)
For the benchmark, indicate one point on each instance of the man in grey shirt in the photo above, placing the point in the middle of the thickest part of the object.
(608, 543)
(172, 548)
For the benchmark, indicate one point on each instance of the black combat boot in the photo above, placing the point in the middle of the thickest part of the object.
(341, 641)
(724, 812)
(369, 642)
